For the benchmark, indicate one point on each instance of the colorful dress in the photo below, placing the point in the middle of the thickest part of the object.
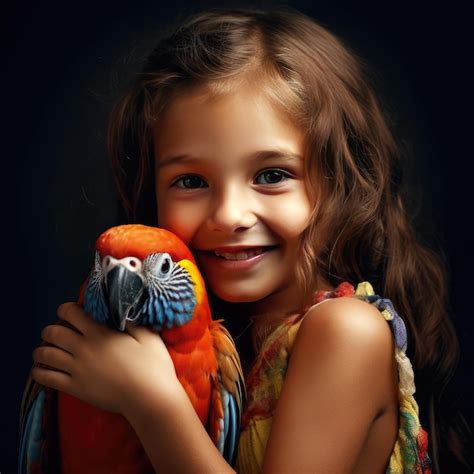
(265, 380)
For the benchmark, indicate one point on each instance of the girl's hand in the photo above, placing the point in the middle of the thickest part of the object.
(104, 367)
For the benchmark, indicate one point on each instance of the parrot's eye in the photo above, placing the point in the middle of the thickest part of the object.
(165, 267)
(159, 264)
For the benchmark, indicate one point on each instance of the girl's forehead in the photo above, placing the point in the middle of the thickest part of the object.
(203, 98)
(241, 117)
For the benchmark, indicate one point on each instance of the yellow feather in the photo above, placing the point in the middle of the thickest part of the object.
(196, 277)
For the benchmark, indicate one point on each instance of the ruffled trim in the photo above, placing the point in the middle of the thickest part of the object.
(344, 289)
(410, 454)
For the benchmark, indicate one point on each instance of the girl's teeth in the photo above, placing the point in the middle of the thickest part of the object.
(239, 255)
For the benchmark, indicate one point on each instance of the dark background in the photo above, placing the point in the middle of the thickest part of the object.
(62, 66)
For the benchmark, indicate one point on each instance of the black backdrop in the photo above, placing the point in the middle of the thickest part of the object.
(62, 66)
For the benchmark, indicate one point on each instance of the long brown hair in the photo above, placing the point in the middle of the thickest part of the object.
(360, 229)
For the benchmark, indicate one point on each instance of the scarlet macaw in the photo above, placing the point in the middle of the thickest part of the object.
(148, 276)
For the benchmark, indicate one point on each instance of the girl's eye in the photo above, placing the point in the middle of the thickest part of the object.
(273, 176)
(190, 182)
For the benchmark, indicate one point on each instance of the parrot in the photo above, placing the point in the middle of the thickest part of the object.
(148, 276)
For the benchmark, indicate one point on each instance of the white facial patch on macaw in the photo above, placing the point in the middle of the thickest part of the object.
(132, 264)
(154, 292)
(171, 297)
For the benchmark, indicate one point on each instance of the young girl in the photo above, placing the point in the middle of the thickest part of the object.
(256, 137)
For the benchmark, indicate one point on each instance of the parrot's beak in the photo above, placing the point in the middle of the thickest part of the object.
(125, 289)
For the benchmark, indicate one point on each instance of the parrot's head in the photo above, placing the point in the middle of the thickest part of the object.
(142, 274)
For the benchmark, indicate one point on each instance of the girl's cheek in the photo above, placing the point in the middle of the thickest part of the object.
(293, 216)
(180, 219)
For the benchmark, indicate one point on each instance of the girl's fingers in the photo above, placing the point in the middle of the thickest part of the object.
(54, 357)
(52, 378)
(75, 316)
(62, 337)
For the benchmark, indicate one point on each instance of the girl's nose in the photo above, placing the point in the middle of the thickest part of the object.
(231, 210)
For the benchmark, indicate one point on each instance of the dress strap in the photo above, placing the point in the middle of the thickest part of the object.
(314, 306)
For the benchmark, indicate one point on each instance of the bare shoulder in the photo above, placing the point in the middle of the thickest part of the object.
(350, 319)
(352, 333)
(340, 374)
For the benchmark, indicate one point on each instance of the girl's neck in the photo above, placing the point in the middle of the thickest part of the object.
(288, 300)
(285, 300)
(246, 319)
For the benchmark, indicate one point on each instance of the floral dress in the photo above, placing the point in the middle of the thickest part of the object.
(265, 380)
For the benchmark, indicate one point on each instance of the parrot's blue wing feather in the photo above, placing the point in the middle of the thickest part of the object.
(232, 394)
(231, 428)
(38, 448)
(32, 436)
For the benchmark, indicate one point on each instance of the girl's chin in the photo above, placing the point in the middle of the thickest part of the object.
(236, 297)
(245, 294)
(232, 292)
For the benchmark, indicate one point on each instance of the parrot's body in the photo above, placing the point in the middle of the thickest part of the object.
(148, 276)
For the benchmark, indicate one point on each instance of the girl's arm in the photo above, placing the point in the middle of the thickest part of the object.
(339, 379)
(174, 438)
(132, 374)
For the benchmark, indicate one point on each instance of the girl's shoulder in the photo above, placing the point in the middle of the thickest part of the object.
(342, 315)
(355, 313)
(351, 324)
(346, 330)
(346, 319)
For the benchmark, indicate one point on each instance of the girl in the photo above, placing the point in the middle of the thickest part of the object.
(257, 138)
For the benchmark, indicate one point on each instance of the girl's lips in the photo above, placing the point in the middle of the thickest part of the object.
(209, 258)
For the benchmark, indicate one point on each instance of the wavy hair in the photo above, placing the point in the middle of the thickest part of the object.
(360, 229)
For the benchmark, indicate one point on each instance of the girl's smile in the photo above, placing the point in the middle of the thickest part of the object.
(235, 258)
(229, 182)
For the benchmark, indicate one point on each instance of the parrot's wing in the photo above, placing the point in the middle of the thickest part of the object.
(228, 395)
(38, 433)
(36, 430)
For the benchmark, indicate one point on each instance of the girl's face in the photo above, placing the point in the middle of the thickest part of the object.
(229, 180)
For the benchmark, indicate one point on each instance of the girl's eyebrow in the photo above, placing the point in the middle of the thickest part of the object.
(262, 155)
